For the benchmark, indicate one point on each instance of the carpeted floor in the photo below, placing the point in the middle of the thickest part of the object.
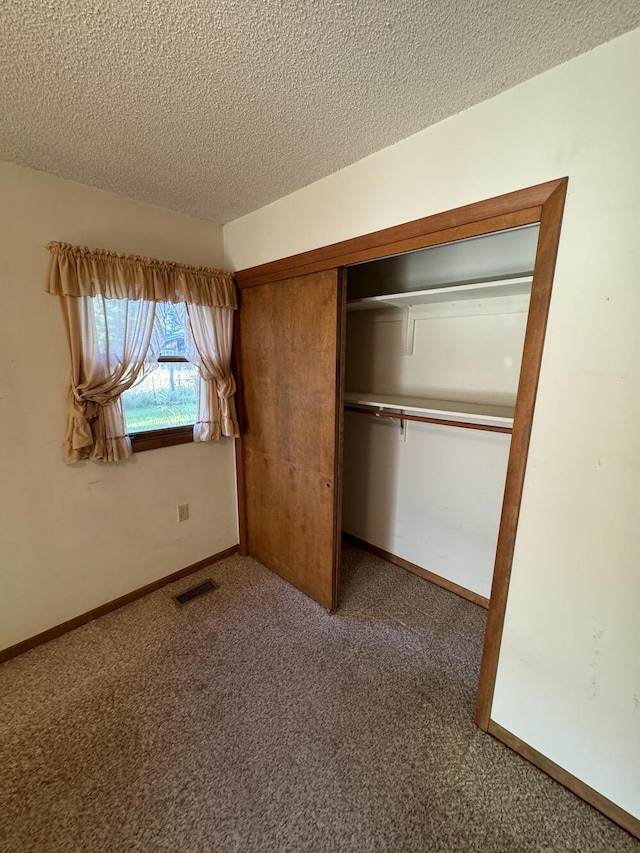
(251, 720)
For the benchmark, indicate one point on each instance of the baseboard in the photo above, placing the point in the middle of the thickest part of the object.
(602, 804)
(77, 621)
(417, 570)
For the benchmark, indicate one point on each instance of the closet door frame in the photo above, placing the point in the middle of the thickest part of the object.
(543, 204)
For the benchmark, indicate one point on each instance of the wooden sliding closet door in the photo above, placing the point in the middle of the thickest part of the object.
(290, 340)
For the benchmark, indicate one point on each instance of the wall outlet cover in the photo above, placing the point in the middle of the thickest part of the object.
(183, 512)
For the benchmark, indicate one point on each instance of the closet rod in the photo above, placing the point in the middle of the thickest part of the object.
(422, 419)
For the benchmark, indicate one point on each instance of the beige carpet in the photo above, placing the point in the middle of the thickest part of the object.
(251, 720)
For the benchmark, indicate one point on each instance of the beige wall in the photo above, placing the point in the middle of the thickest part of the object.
(569, 673)
(72, 538)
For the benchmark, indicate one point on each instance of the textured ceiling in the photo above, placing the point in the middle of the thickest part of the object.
(217, 108)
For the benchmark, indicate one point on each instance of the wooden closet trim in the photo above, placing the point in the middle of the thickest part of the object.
(544, 268)
(522, 207)
(543, 203)
(395, 247)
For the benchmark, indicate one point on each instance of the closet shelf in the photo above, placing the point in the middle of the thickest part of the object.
(520, 286)
(480, 415)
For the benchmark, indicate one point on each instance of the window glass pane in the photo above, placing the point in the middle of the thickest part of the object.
(174, 335)
(166, 397)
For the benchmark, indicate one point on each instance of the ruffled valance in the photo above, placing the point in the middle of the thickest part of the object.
(78, 271)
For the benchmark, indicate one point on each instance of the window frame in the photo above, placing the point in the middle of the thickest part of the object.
(152, 439)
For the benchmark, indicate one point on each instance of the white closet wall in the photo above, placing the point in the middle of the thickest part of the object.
(469, 357)
(434, 498)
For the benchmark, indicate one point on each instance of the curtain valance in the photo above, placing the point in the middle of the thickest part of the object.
(78, 271)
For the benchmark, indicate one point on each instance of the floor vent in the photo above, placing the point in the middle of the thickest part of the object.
(194, 592)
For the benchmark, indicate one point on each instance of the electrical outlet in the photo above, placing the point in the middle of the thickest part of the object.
(183, 512)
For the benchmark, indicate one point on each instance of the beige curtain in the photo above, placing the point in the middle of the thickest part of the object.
(110, 342)
(209, 339)
(110, 303)
(76, 271)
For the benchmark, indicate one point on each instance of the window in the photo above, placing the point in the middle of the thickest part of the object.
(150, 345)
(161, 406)
(166, 397)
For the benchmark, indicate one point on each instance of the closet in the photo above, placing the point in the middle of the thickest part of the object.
(427, 322)
(434, 343)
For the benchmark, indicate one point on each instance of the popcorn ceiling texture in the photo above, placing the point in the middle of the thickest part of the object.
(215, 109)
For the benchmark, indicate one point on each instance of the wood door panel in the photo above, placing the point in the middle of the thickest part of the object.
(290, 346)
(284, 533)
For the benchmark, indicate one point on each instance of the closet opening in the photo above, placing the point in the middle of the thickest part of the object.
(434, 342)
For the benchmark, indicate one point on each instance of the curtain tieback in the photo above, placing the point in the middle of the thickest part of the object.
(226, 387)
(82, 412)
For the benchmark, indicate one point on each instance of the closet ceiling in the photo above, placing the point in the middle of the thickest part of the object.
(217, 108)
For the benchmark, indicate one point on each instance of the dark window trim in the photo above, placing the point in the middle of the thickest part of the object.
(154, 438)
